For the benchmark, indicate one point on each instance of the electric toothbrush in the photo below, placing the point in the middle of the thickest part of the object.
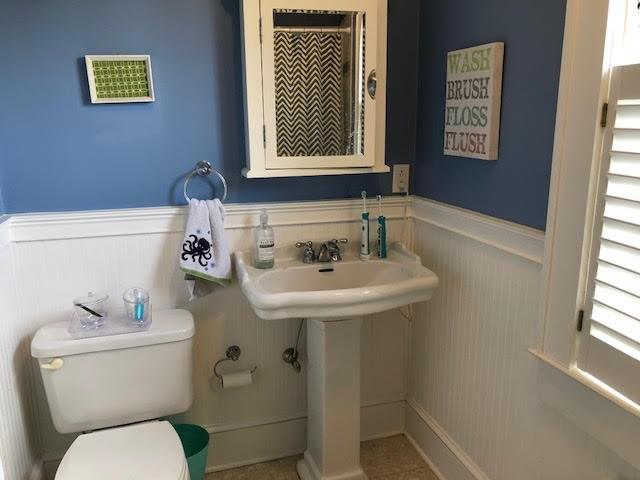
(382, 231)
(365, 250)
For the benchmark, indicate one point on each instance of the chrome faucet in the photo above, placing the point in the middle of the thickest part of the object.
(330, 251)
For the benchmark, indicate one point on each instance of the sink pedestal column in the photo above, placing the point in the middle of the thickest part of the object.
(333, 401)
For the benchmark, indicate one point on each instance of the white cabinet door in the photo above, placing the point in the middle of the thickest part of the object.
(318, 60)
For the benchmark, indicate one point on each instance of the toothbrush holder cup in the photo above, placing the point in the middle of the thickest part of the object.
(136, 305)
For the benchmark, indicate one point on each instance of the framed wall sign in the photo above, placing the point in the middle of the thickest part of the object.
(120, 78)
(473, 94)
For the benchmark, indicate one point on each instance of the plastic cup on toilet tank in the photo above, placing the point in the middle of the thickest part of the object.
(136, 304)
(91, 309)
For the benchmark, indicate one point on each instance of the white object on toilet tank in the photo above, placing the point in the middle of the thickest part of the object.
(115, 380)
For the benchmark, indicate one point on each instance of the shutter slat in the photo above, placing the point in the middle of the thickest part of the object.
(627, 188)
(613, 320)
(621, 301)
(621, 232)
(626, 140)
(616, 340)
(625, 164)
(627, 116)
(625, 210)
(620, 256)
(618, 277)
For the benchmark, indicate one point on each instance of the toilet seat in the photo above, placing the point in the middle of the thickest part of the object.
(147, 451)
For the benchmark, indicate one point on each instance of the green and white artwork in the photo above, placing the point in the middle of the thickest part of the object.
(473, 98)
(119, 78)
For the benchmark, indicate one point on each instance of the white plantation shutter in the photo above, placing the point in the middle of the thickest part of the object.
(612, 352)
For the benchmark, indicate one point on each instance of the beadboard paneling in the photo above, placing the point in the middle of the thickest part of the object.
(17, 457)
(471, 373)
(56, 267)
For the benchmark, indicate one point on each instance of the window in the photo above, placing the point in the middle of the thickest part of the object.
(606, 361)
(612, 351)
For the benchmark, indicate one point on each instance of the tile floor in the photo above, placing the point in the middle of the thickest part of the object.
(392, 458)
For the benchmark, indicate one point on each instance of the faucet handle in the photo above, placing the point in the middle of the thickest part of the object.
(308, 255)
(336, 241)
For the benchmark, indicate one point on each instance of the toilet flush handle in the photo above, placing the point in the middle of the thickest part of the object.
(54, 364)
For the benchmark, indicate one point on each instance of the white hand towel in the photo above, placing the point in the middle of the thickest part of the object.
(205, 255)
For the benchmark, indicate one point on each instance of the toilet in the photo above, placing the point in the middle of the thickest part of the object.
(114, 389)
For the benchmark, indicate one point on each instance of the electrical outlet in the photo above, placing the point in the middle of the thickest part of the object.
(401, 178)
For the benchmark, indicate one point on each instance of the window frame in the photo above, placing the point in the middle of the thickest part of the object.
(584, 87)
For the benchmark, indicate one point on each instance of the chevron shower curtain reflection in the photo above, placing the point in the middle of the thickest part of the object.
(319, 104)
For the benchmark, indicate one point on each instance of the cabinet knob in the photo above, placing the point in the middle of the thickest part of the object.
(372, 84)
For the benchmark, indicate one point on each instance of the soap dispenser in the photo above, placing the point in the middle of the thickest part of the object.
(264, 246)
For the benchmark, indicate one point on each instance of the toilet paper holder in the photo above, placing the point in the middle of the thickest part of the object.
(232, 353)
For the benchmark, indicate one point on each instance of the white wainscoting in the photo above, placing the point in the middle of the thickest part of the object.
(474, 405)
(17, 453)
(59, 256)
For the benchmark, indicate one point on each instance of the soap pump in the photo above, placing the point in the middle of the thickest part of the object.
(264, 248)
(365, 250)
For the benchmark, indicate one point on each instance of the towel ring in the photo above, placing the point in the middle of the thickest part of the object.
(204, 169)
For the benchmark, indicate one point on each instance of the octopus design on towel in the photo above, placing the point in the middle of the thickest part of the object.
(198, 248)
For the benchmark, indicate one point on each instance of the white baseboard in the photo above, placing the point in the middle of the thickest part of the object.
(382, 420)
(427, 460)
(447, 459)
(233, 448)
(261, 443)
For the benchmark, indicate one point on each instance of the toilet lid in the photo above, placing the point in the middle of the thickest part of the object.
(147, 451)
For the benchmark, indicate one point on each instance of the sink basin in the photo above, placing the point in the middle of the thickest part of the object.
(335, 290)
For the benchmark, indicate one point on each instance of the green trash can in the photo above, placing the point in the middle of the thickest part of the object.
(195, 441)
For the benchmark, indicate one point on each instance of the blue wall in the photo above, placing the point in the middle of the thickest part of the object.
(515, 187)
(59, 152)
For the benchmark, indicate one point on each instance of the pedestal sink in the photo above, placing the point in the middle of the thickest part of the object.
(334, 297)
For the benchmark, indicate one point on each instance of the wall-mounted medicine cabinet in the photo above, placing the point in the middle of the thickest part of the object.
(314, 86)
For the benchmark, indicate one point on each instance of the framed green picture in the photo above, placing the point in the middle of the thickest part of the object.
(119, 78)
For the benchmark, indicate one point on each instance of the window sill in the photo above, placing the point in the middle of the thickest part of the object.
(592, 383)
(599, 411)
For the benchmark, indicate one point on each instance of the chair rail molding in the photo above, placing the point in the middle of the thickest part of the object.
(510, 237)
(5, 231)
(109, 223)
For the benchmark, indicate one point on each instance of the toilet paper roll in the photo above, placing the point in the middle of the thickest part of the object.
(238, 379)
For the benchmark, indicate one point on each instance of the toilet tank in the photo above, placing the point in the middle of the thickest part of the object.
(101, 382)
